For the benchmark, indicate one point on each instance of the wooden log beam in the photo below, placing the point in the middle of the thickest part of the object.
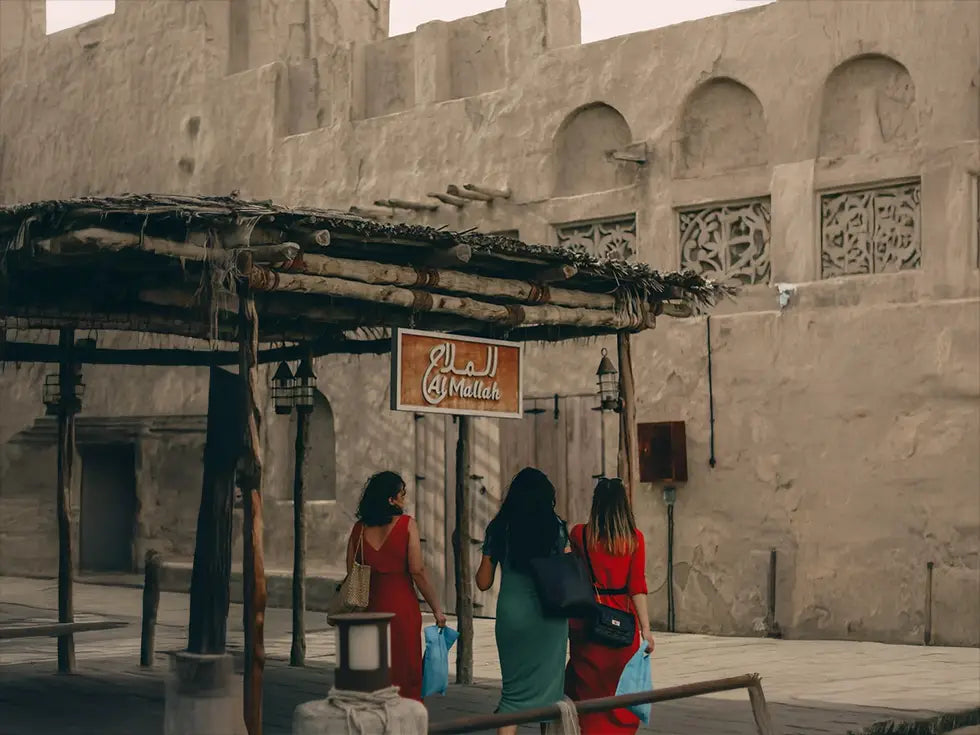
(476, 196)
(489, 191)
(423, 301)
(454, 257)
(95, 239)
(372, 212)
(172, 322)
(629, 458)
(461, 283)
(278, 254)
(211, 573)
(563, 273)
(320, 318)
(383, 273)
(66, 453)
(250, 481)
(464, 567)
(449, 199)
(173, 357)
(405, 204)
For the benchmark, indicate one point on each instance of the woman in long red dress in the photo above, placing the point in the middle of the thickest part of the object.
(617, 552)
(390, 545)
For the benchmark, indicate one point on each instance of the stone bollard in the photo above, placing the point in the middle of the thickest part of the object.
(362, 700)
(203, 695)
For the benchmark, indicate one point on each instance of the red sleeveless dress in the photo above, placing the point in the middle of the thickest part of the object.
(392, 590)
(594, 670)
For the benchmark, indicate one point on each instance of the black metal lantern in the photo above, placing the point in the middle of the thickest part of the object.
(608, 380)
(282, 389)
(303, 386)
(52, 393)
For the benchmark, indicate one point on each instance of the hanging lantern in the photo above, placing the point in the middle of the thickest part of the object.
(282, 389)
(303, 386)
(52, 393)
(608, 384)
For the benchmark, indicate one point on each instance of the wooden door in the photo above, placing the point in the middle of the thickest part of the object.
(435, 499)
(108, 508)
(562, 437)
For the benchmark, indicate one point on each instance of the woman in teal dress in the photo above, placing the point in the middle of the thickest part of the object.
(531, 646)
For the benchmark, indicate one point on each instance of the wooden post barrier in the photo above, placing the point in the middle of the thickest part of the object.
(464, 568)
(151, 603)
(752, 682)
(66, 453)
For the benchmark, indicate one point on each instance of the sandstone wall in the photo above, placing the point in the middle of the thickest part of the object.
(847, 418)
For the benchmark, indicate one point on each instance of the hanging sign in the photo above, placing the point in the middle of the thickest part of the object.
(445, 373)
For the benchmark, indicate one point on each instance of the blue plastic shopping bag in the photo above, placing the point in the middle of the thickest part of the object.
(636, 678)
(435, 660)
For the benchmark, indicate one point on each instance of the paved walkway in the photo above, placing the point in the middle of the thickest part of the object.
(812, 686)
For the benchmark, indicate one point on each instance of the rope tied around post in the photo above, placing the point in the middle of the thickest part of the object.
(567, 722)
(357, 705)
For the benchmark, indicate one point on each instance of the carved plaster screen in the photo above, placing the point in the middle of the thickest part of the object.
(870, 231)
(729, 240)
(605, 238)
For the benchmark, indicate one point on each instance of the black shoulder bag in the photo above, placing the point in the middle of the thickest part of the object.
(563, 586)
(609, 626)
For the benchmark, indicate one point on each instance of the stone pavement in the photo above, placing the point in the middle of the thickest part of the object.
(812, 686)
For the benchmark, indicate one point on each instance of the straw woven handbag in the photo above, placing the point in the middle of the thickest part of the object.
(354, 592)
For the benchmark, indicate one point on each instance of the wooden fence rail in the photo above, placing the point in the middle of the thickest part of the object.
(752, 682)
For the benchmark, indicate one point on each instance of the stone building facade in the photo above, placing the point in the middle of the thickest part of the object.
(822, 154)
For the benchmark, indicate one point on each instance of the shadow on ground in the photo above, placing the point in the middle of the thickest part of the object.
(112, 697)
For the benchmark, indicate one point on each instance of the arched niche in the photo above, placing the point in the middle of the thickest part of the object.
(320, 467)
(868, 104)
(722, 127)
(581, 148)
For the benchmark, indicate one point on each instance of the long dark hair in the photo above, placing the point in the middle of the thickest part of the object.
(611, 522)
(526, 527)
(375, 507)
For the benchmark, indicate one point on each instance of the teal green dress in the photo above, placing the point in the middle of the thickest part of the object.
(532, 648)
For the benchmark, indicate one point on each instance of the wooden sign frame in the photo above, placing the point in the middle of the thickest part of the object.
(396, 375)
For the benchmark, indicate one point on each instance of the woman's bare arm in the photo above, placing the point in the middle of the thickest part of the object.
(485, 574)
(643, 614)
(416, 568)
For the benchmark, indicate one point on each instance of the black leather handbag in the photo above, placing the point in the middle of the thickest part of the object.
(564, 586)
(609, 626)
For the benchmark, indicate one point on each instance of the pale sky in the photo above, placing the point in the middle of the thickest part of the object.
(600, 18)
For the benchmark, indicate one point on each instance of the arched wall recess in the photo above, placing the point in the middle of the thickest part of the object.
(581, 150)
(722, 127)
(868, 105)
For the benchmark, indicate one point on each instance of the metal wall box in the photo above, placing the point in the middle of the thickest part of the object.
(663, 451)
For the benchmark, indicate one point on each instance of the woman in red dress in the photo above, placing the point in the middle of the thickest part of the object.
(618, 556)
(390, 545)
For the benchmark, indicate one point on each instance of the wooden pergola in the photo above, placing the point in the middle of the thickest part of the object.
(301, 282)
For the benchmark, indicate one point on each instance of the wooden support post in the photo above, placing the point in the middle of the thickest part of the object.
(297, 652)
(66, 453)
(760, 710)
(628, 464)
(151, 603)
(250, 482)
(464, 569)
(211, 575)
